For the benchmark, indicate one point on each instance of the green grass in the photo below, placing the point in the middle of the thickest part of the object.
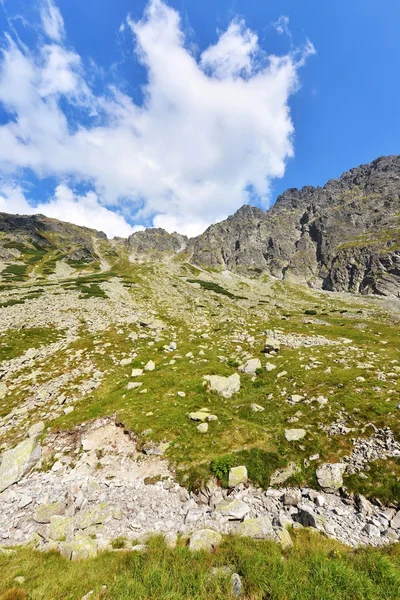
(313, 569)
(382, 481)
(14, 342)
(215, 287)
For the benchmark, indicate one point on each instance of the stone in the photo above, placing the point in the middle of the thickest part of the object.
(363, 505)
(292, 498)
(270, 366)
(223, 386)
(294, 435)
(171, 540)
(395, 522)
(150, 366)
(3, 390)
(250, 367)
(198, 416)
(259, 528)
(126, 361)
(60, 527)
(18, 461)
(282, 475)
(237, 475)
(271, 345)
(236, 582)
(25, 501)
(256, 408)
(45, 512)
(202, 428)
(372, 530)
(94, 516)
(205, 539)
(36, 429)
(295, 399)
(81, 547)
(308, 518)
(136, 372)
(134, 385)
(68, 410)
(87, 445)
(283, 537)
(330, 476)
(235, 509)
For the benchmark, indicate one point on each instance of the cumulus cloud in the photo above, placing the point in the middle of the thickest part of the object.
(210, 128)
(66, 205)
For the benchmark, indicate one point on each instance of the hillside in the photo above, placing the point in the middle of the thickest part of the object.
(171, 386)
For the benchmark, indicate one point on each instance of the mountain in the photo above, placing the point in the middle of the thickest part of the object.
(344, 236)
(142, 378)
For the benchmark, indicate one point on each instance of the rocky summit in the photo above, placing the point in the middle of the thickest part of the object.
(244, 382)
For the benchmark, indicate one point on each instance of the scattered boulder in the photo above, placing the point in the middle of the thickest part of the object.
(330, 476)
(150, 366)
(202, 428)
(36, 429)
(136, 372)
(259, 528)
(45, 512)
(395, 522)
(200, 415)
(205, 539)
(250, 367)
(18, 461)
(292, 498)
(237, 475)
(256, 408)
(80, 547)
(234, 509)
(271, 344)
(224, 386)
(294, 435)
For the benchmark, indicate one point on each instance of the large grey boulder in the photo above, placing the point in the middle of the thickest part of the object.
(330, 476)
(259, 528)
(18, 461)
(223, 386)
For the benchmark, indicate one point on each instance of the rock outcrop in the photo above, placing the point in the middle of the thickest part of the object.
(344, 236)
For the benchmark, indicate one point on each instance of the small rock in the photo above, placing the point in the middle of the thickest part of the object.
(294, 435)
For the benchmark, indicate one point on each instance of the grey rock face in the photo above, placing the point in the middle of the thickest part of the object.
(156, 241)
(342, 237)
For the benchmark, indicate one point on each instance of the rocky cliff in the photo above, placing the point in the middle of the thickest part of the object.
(344, 236)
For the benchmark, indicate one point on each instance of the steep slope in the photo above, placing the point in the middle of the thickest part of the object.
(342, 237)
(36, 246)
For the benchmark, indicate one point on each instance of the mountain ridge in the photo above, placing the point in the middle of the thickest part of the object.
(343, 236)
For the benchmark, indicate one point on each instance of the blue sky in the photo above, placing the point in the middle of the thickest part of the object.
(121, 114)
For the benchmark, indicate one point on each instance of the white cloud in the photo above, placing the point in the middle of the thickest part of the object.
(233, 54)
(67, 206)
(209, 129)
(52, 21)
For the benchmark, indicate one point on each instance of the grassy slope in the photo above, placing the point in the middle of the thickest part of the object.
(314, 568)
